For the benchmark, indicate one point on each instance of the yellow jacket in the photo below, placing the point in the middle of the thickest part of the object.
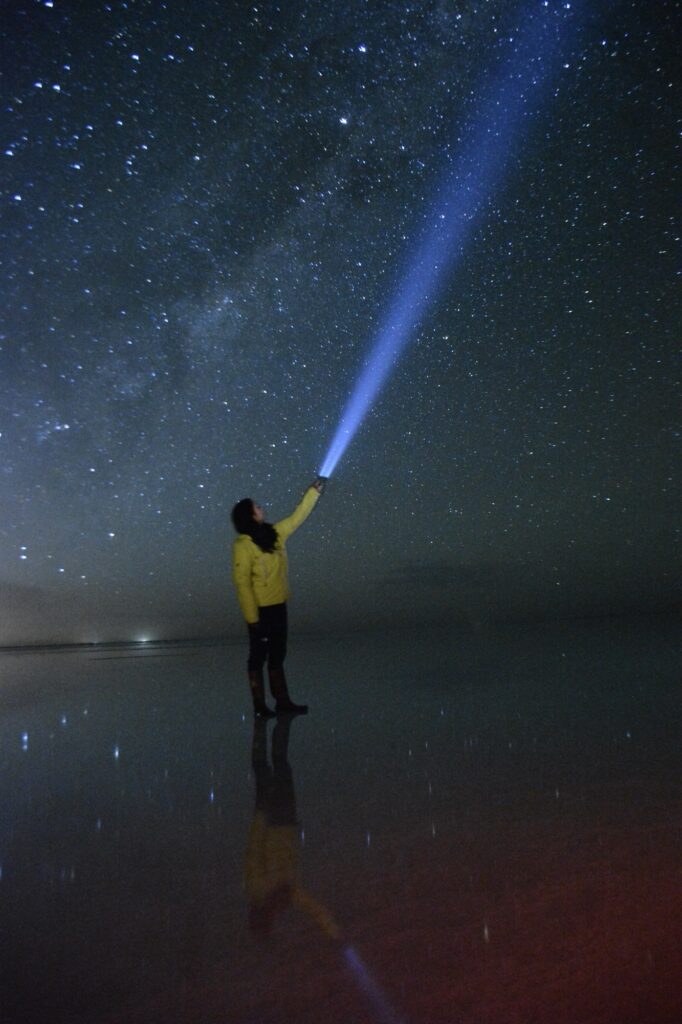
(261, 578)
(271, 866)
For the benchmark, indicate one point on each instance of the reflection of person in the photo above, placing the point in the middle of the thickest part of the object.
(271, 861)
(259, 570)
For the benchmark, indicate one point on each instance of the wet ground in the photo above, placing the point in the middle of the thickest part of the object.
(473, 828)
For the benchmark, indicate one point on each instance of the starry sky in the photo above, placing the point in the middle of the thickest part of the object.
(204, 210)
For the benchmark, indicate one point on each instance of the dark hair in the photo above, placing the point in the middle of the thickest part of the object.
(263, 534)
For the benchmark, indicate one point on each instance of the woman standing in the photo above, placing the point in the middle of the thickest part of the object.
(259, 571)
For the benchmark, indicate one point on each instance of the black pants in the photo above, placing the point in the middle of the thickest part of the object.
(268, 638)
(275, 796)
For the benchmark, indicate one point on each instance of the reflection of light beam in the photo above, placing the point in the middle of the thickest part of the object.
(386, 1013)
(468, 183)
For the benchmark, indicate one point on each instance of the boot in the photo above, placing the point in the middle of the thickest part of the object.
(260, 708)
(278, 689)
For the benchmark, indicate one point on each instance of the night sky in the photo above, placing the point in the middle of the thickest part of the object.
(205, 209)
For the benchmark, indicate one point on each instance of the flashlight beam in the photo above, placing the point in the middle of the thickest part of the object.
(383, 1009)
(466, 188)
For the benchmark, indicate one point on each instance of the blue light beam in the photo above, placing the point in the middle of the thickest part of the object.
(385, 1013)
(508, 100)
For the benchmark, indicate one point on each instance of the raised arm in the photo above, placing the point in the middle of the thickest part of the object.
(317, 911)
(241, 574)
(285, 527)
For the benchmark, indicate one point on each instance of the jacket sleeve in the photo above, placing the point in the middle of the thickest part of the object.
(317, 911)
(241, 574)
(285, 527)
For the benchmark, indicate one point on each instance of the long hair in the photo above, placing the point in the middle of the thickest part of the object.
(263, 534)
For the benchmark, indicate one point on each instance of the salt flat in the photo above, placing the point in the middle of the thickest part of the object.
(469, 826)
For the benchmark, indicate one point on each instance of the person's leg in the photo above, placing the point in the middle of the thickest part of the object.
(282, 803)
(259, 763)
(277, 642)
(276, 628)
(258, 648)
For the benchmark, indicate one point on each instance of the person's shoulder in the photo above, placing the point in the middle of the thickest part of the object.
(242, 540)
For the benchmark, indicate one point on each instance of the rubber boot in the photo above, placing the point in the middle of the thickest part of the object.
(260, 708)
(283, 702)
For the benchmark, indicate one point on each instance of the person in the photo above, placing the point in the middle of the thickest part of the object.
(271, 869)
(259, 571)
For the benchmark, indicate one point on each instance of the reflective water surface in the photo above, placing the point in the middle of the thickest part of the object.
(479, 827)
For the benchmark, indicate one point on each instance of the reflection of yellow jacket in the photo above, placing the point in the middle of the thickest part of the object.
(271, 860)
(261, 577)
(271, 866)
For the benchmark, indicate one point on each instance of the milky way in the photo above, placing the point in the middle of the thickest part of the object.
(203, 211)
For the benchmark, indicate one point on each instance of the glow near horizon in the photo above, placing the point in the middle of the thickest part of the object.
(468, 183)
